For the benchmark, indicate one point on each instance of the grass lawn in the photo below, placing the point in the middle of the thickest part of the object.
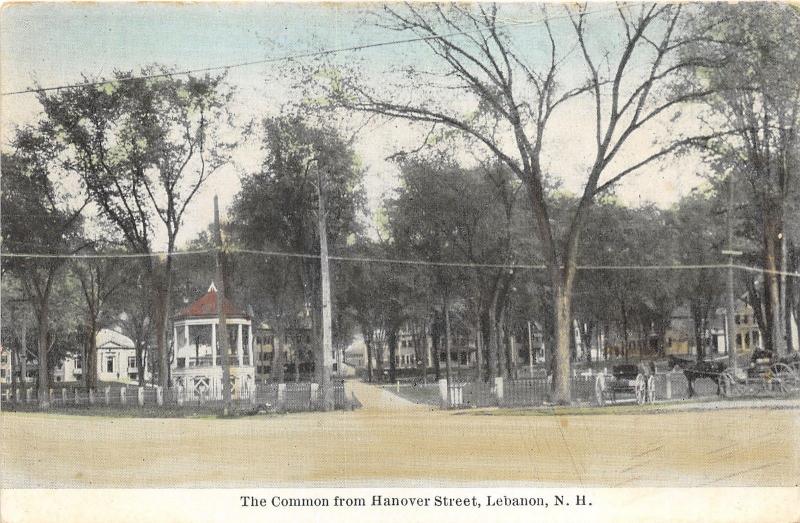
(419, 394)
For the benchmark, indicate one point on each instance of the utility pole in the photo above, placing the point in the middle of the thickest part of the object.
(730, 323)
(222, 335)
(327, 332)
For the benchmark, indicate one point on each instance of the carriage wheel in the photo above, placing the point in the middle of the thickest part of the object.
(786, 376)
(651, 389)
(640, 389)
(599, 390)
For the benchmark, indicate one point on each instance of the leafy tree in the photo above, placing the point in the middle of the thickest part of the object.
(276, 210)
(758, 98)
(143, 148)
(514, 98)
(40, 222)
(700, 236)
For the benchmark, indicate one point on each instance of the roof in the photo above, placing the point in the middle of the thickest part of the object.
(107, 338)
(206, 307)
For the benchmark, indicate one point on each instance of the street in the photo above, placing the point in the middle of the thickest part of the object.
(391, 442)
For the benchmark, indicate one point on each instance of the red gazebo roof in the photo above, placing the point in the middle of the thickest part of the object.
(206, 307)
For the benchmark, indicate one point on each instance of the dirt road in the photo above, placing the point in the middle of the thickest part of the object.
(393, 442)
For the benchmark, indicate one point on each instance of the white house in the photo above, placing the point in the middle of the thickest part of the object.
(116, 361)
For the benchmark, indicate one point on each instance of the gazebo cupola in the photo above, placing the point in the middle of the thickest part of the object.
(197, 364)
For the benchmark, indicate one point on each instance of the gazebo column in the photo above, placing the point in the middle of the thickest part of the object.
(213, 344)
(175, 338)
(250, 343)
(239, 352)
(186, 334)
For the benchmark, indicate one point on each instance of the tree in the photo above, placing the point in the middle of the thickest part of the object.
(758, 97)
(517, 97)
(42, 226)
(700, 236)
(142, 147)
(100, 279)
(276, 210)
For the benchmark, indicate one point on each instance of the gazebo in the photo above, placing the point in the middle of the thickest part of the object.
(197, 365)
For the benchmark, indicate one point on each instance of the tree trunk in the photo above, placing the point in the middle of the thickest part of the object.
(277, 369)
(23, 358)
(43, 329)
(15, 351)
(503, 364)
(772, 279)
(491, 336)
(446, 307)
(478, 354)
(425, 354)
(435, 341)
(368, 343)
(391, 338)
(563, 320)
(160, 274)
(91, 356)
(379, 357)
(140, 361)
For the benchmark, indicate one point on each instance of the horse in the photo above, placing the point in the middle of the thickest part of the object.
(704, 369)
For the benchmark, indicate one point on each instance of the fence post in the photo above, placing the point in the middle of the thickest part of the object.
(314, 393)
(51, 396)
(77, 397)
(282, 395)
(669, 385)
(253, 391)
(179, 392)
(91, 396)
(28, 393)
(397, 387)
(140, 396)
(107, 394)
(122, 396)
(64, 397)
(443, 391)
(498, 388)
(19, 395)
(159, 396)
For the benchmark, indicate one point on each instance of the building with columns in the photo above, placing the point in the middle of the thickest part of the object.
(197, 362)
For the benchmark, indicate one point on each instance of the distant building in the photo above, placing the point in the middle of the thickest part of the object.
(116, 361)
(5, 366)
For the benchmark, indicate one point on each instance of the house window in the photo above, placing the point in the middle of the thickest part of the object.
(132, 375)
(738, 340)
(181, 363)
(737, 319)
(78, 362)
(131, 362)
(2, 373)
(110, 364)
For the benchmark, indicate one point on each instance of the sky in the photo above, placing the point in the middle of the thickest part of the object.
(55, 44)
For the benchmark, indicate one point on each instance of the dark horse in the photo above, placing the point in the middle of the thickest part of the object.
(704, 369)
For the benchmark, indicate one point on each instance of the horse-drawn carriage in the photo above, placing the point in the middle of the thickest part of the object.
(765, 375)
(625, 380)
